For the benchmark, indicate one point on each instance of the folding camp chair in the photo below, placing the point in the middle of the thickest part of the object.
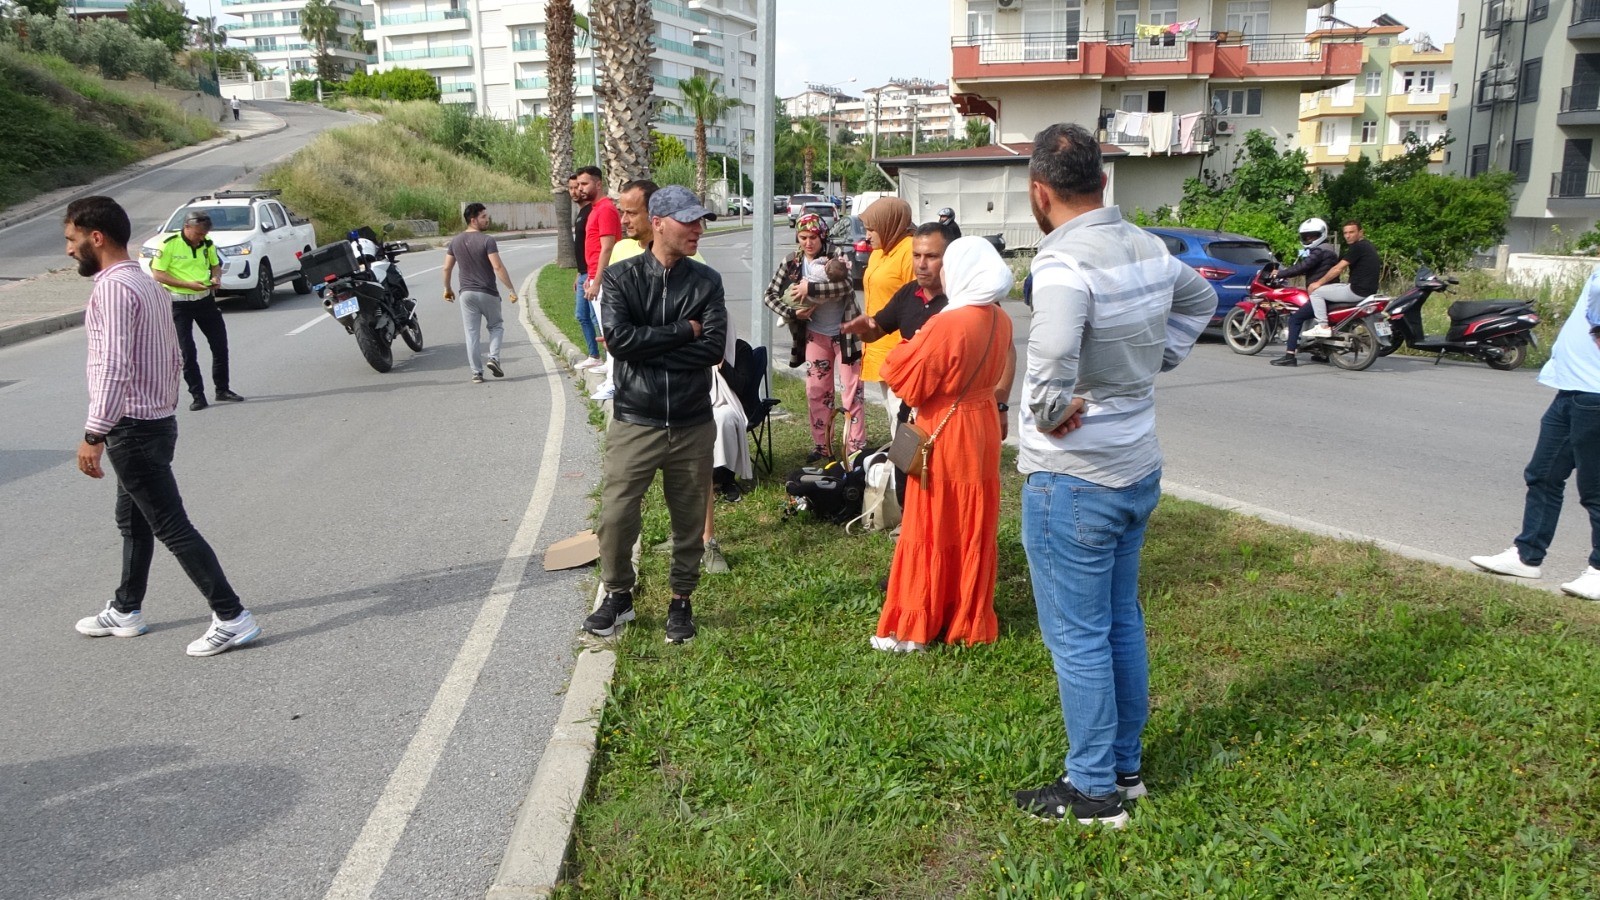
(750, 383)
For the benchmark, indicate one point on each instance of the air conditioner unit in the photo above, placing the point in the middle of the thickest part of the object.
(1223, 126)
(1496, 61)
(1506, 90)
(1007, 5)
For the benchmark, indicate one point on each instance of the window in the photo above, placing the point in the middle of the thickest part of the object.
(1485, 89)
(1369, 131)
(980, 18)
(276, 212)
(1326, 132)
(1522, 159)
(1127, 17)
(1374, 84)
(1422, 128)
(1239, 102)
(1478, 162)
(1248, 16)
(1538, 9)
(1163, 12)
(1050, 29)
(1528, 83)
(1417, 81)
(1133, 101)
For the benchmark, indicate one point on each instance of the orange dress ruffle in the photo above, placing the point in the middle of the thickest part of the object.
(941, 587)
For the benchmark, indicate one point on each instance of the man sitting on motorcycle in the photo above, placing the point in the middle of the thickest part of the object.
(1316, 258)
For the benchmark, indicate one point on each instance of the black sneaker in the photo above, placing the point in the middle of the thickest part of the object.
(614, 610)
(1060, 800)
(680, 621)
(1286, 360)
(494, 367)
(1130, 786)
(199, 403)
(227, 396)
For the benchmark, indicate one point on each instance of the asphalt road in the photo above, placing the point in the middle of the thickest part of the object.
(27, 248)
(387, 531)
(1426, 456)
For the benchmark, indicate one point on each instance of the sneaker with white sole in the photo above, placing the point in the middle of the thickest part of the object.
(225, 635)
(616, 609)
(605, 392)
(712, 561)
(1586, 585)
(1506, 562)
(493, 365)
(1319, 330)
(110, 623)
(592, 362)
(680, 621)
(1060, 800)
(1131, 786)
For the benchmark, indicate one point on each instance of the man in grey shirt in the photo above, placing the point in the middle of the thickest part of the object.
(479, 258)
(1111, 309)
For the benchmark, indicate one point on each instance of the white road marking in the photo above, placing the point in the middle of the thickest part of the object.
(364, 865)
(307, 325)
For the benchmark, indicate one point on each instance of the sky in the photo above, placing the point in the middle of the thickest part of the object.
(813, 47)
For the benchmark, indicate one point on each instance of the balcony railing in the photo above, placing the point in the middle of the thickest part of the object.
(1575, 185)
(541, 83)
(679, 10)
(429, 53)
(524, 46)
(1580, 98)
(1271, 48)
(1032, 46)
(690, 49)
(416, 18)
(1168, 48)
(275, 23)
(456, 87)
(1585, 11)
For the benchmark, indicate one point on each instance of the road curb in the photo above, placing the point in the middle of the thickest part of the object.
(536, 855)
(23, 331)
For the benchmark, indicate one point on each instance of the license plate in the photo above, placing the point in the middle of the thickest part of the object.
(1382, 328)
(347, 307)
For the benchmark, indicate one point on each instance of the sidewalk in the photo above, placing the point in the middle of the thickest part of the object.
(54, 301)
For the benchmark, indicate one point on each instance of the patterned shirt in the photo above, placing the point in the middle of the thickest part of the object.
(134, 362)
(1111, 309)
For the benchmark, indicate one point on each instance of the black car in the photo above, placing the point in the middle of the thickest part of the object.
(850, 235)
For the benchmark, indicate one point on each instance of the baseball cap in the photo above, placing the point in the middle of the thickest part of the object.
(197, 217)
(679, 203)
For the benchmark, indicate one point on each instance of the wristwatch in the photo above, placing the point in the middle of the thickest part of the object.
(91, 438)
(1003, 407)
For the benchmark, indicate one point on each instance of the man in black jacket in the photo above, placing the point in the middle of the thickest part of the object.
(665, 323)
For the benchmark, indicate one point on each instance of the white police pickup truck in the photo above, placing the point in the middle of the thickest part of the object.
(259, 240)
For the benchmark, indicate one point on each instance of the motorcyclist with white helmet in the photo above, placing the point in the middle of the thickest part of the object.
(1317, 256)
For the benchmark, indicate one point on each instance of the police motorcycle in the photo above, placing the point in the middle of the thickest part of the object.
(361, 287)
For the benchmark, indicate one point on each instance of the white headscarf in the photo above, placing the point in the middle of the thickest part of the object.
(974, 273)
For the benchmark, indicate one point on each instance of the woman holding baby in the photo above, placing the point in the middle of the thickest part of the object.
(811, 293)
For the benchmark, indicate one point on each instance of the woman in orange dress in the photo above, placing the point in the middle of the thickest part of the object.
(888, 224)
(941, 587)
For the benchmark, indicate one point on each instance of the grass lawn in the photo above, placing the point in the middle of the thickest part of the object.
(1327, 719)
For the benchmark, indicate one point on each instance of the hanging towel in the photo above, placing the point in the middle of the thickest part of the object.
(1160, 133)
(1188, 27)
(1138, 125)
(1149, 31)
(1119, 124)
(1188, 126)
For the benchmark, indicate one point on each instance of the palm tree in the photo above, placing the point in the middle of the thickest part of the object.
(622, 29)
(705, 102)
(207, 35)
(804, 139)
(559, 32)
(319, 25)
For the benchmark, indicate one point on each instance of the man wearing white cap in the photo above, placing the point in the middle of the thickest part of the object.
(664, 320)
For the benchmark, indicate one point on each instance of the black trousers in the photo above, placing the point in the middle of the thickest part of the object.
(1297, 321)
(149, 508)
(203, 312)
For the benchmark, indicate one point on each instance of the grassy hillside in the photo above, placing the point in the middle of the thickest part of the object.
(372, 174)
(63, 126)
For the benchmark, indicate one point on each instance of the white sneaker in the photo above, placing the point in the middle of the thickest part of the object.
(1586, 585)
(113, 624)
(224, 635)
(605, 392)
(1506, 562)
(1319, 330)
(712, 561)
(592, 362)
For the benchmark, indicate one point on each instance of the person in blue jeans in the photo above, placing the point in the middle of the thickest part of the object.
(1569, 440)
(1111, 309)
(580, 303)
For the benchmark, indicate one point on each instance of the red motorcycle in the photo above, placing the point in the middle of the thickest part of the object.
(1360, 331)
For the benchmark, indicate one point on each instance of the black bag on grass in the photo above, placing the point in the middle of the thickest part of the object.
(830, 492)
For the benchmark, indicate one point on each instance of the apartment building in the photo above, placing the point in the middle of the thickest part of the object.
(1404, 87)
(1532, 108)
(492, 54)
(270, 31)
(887, 110)
(1164, 81)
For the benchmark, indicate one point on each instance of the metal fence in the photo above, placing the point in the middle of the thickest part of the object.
(1575, 184)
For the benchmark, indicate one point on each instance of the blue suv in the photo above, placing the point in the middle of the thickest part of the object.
(1228, 261)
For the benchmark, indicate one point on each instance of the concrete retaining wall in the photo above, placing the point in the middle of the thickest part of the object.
(1534, 269)
(521, 216)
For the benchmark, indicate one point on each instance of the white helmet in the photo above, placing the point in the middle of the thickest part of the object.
(1313, 233)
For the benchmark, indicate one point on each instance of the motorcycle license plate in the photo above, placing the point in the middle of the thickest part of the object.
(1382, 328)
(346, 307)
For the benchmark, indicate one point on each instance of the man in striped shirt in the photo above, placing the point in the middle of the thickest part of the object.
(1111, 309)
(134, 365)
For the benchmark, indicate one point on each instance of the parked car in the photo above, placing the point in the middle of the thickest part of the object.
(738, 205)
(780, 204)
(1229, 261)
(258, 239)
(850, 235)
(797, 203)
(822, 209)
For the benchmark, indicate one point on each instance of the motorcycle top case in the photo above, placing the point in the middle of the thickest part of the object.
(336, 259)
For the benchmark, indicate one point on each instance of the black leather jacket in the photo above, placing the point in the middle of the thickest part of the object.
(1315, 264)
(661, 370)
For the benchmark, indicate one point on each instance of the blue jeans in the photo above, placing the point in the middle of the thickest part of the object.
(149, 508)
(1569, 438)
(585, 313)
(1083, 543)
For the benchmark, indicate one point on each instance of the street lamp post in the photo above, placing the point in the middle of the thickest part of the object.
(833, 95)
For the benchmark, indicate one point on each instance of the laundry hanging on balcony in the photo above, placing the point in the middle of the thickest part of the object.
(1188, 131)
(1186, 29)
(1149, 31)
(1160, 133)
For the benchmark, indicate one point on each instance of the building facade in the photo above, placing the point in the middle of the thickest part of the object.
(1404, 88)
(270, 31)
(888, 110)
(1164, 80)
(492, 55)
(1532, 108)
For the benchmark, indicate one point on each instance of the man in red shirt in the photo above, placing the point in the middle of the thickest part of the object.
(134, 365)
(601, 232)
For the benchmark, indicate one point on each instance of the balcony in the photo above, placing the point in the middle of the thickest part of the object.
(679, 10)
(541, 83)
(533, 46)
(433, 57)
(457, 92)
(443, 20)
(1418, 103)
(1033, 55)
(1288, 58)
(1585, 21)
(1321, 106)
(1086, 55)
(1140, 145)
(1574, 192)
(686, 49)
(1580, 105)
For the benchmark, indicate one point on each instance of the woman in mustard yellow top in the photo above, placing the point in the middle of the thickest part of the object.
(888, 223)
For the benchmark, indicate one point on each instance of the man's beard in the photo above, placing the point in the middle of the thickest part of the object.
(88, 262)
(1039, 216)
